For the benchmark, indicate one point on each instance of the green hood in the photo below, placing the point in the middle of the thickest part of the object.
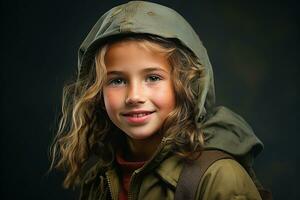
(223, 128)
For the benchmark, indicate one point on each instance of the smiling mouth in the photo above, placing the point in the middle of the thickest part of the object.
(137, 115)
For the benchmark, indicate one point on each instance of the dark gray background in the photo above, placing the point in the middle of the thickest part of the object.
(253, 46)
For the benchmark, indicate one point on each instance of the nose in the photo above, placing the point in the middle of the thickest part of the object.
(135, 94)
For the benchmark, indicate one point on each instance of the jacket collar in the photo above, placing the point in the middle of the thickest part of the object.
(169, 170)
(164, 163)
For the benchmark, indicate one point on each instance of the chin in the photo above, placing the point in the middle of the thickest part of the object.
(141, 135)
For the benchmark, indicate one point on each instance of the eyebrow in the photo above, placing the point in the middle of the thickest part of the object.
(146, 70)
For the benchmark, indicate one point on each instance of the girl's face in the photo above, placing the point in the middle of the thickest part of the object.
(138, 94)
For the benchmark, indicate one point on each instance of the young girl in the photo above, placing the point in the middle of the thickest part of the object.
(142, 105)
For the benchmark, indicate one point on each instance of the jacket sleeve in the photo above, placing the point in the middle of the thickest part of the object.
(226, 179)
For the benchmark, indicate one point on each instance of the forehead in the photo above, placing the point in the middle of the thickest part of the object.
(131, 53)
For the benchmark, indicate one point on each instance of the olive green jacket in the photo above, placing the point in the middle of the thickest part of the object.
(223, 129)
(157, 179)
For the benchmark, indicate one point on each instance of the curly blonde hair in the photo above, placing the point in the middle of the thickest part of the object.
(84, 125)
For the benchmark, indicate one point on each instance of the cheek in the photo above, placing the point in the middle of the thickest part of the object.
(165, 97)
(112, 100)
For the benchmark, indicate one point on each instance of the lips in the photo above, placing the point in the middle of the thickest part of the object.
(137, 113)
(137, 117)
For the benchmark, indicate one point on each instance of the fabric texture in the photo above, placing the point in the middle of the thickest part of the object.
(227, 179)
(158, 178)
(223, 129)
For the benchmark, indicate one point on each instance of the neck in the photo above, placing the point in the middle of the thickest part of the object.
(142, 150)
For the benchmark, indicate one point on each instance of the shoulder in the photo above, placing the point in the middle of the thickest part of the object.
(227, 179)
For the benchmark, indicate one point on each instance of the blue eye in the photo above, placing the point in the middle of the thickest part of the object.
(116, 82)
(153, 78)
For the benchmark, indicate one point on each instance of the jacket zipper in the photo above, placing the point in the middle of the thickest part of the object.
(130, 190)
(136, 172)
(109, 186)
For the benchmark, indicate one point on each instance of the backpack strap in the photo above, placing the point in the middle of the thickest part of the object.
(193, 171)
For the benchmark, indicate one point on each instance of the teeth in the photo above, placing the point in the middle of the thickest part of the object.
(138, 115)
